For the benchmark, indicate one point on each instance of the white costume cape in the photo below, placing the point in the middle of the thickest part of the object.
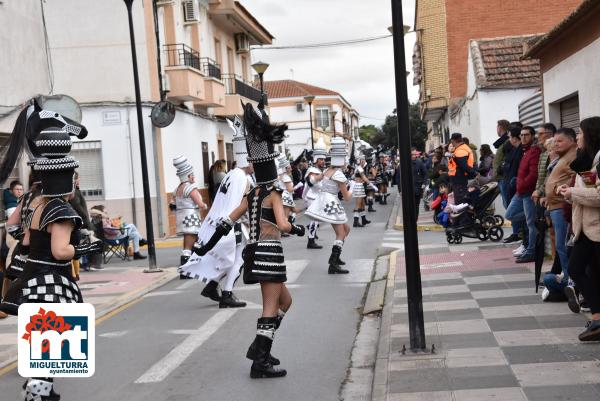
(226, 256)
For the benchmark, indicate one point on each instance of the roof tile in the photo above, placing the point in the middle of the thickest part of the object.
(291, 88)
(499, 64)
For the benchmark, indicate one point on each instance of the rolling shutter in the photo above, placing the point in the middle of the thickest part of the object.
(569, 113)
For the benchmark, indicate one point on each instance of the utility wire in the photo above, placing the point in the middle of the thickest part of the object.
(324, 44)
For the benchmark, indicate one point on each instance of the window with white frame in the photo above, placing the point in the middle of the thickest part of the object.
(91, 172)
(322, 117)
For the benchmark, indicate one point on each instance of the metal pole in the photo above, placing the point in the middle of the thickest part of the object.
(312, 140)
(143, 157)
(411, 242)
(158, 62)
(261, 104)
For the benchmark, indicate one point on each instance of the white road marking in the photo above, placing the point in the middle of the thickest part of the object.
(294, 269)
(161, 293)
(188, 283)
(180, 353)
(114, 334)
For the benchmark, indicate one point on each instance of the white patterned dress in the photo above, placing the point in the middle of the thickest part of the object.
(187, 215)
(327, 207)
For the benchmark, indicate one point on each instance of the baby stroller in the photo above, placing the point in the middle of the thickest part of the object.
(479, 222)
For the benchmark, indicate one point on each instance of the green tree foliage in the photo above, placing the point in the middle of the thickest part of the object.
(387, 134)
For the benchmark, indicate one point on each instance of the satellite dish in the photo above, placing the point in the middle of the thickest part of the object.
(62, 104)
(163, 114)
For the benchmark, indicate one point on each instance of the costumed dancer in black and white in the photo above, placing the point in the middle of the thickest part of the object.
(328, 208)
(381, 179)
(188, 203)
(312, 179)
(53, 237)
(263, 255)
(359, 193)
(287, 185)
(224, 261)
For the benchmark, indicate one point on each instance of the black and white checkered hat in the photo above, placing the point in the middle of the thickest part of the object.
(56, 168)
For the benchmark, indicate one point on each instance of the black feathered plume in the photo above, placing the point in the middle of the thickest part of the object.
(352, 161)
(259, 126)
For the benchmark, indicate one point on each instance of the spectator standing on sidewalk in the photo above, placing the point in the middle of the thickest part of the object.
(11, 197)
(419, 173)
(499, 145)
(521, 206)
(486, 164)
(565, 146)
(510, 167)
(585, 197)
(545, 132)
(460, 167)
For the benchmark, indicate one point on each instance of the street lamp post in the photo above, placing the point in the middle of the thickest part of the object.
(260, 69)
(411, 241)
(309, 99)
(333, 113)
(145, 181)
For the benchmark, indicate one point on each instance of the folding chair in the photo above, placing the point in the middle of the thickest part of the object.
(112, 247)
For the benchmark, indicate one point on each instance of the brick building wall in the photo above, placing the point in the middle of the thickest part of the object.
(431, 30)
(476, 19)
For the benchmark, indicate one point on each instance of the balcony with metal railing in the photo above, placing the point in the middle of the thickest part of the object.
(193, 78)
(237, 89)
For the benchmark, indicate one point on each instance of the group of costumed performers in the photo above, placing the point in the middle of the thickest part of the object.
(327, 207)
(263, 258)
(223, 262)
(312, 187)
(46, 225)
(187, 205)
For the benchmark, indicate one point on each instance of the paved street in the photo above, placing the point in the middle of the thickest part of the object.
(174, 344)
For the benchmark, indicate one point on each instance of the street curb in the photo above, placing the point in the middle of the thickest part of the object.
(121, 303)
(171, 243)
(380, 375)
(432, 227)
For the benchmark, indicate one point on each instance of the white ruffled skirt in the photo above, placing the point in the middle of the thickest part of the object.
(327, 208)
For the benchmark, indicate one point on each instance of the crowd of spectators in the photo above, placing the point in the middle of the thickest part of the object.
(548, 178)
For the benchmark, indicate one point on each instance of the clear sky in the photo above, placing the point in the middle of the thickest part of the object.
(362, 73)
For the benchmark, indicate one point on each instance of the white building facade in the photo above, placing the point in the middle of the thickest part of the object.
(497, 82)
(331, 113)
(205, 71)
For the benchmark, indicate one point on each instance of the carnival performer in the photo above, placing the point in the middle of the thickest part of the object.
(53, 239)
(188, 201)
(327, 206)
(263, 255)
(224, 261)
(30, 122)
(359, 193)
(287, 185)
(381, 179)
(312, 179)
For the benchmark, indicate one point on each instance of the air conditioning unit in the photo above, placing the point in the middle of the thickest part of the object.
(300, 107)
(190, 11)
(242, 43)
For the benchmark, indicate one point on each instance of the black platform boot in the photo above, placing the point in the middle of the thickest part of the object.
(357, 222)
(228, 300)
(370, 204)
(334, 266)
(312, 244)
(40, 389)
(182, 261)
(364, 218)
(211, 291)
(260, 350)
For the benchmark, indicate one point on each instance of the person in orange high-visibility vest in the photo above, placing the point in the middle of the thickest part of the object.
(460, 167)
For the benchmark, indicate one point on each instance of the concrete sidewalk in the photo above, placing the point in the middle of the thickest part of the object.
(494, 337)
(108, 290)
